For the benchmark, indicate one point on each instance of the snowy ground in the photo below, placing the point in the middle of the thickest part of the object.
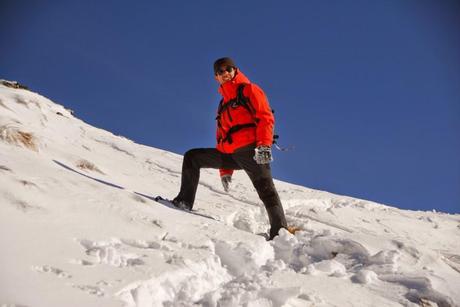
(78, 227)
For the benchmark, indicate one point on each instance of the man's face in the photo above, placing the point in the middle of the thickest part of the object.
(225, 74)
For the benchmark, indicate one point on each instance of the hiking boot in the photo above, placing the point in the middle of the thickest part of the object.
(276, 219)
(290, 229)
(180, 204)
(293, 229)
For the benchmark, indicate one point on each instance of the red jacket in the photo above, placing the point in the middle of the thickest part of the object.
(261, 134)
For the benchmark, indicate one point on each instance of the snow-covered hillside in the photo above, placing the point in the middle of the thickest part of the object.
(79, 227)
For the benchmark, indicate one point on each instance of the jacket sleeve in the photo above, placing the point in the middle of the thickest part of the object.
(264, 115)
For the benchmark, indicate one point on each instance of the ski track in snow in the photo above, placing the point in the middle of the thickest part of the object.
(87, 196)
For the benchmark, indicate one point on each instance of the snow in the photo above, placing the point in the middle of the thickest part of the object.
(79, 227)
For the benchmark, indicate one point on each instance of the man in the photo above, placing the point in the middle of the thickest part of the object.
(244, 137)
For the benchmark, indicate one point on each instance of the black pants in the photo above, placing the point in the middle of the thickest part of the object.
(260, 175)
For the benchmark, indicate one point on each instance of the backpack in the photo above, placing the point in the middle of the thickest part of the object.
(239, 100)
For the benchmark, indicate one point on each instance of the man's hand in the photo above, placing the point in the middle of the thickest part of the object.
(226, 180)
(263, 155)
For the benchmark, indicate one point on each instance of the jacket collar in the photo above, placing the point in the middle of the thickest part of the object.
(228, 89)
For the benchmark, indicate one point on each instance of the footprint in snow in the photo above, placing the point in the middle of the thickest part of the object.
(111, 252)
(247, 221)
(49, 269)
(93, 290)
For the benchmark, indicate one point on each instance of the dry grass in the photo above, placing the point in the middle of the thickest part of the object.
(13, 135)
(13, 84)
(86, 165)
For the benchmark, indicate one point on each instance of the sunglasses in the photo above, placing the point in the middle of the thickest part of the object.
(222, 70)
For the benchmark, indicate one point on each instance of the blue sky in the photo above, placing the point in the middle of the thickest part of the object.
(368, 92)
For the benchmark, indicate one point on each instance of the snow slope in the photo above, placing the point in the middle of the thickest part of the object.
(78, 227)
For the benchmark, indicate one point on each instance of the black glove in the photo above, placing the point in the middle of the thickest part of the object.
(226, 180)
(263, 155)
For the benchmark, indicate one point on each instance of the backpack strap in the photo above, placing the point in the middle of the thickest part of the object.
(233, 129)
(244, 101)
(239, 100)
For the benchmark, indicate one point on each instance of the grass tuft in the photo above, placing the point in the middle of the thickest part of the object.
(13, 135)
(87, 165)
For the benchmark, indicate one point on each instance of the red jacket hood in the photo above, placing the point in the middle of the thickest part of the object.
(228, 89)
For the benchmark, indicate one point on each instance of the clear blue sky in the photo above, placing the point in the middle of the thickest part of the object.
(367, 91)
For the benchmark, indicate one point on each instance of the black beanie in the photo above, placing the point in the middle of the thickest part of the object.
(223, 62)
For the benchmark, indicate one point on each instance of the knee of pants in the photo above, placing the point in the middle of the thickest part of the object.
(189, 155)
(191, 152)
